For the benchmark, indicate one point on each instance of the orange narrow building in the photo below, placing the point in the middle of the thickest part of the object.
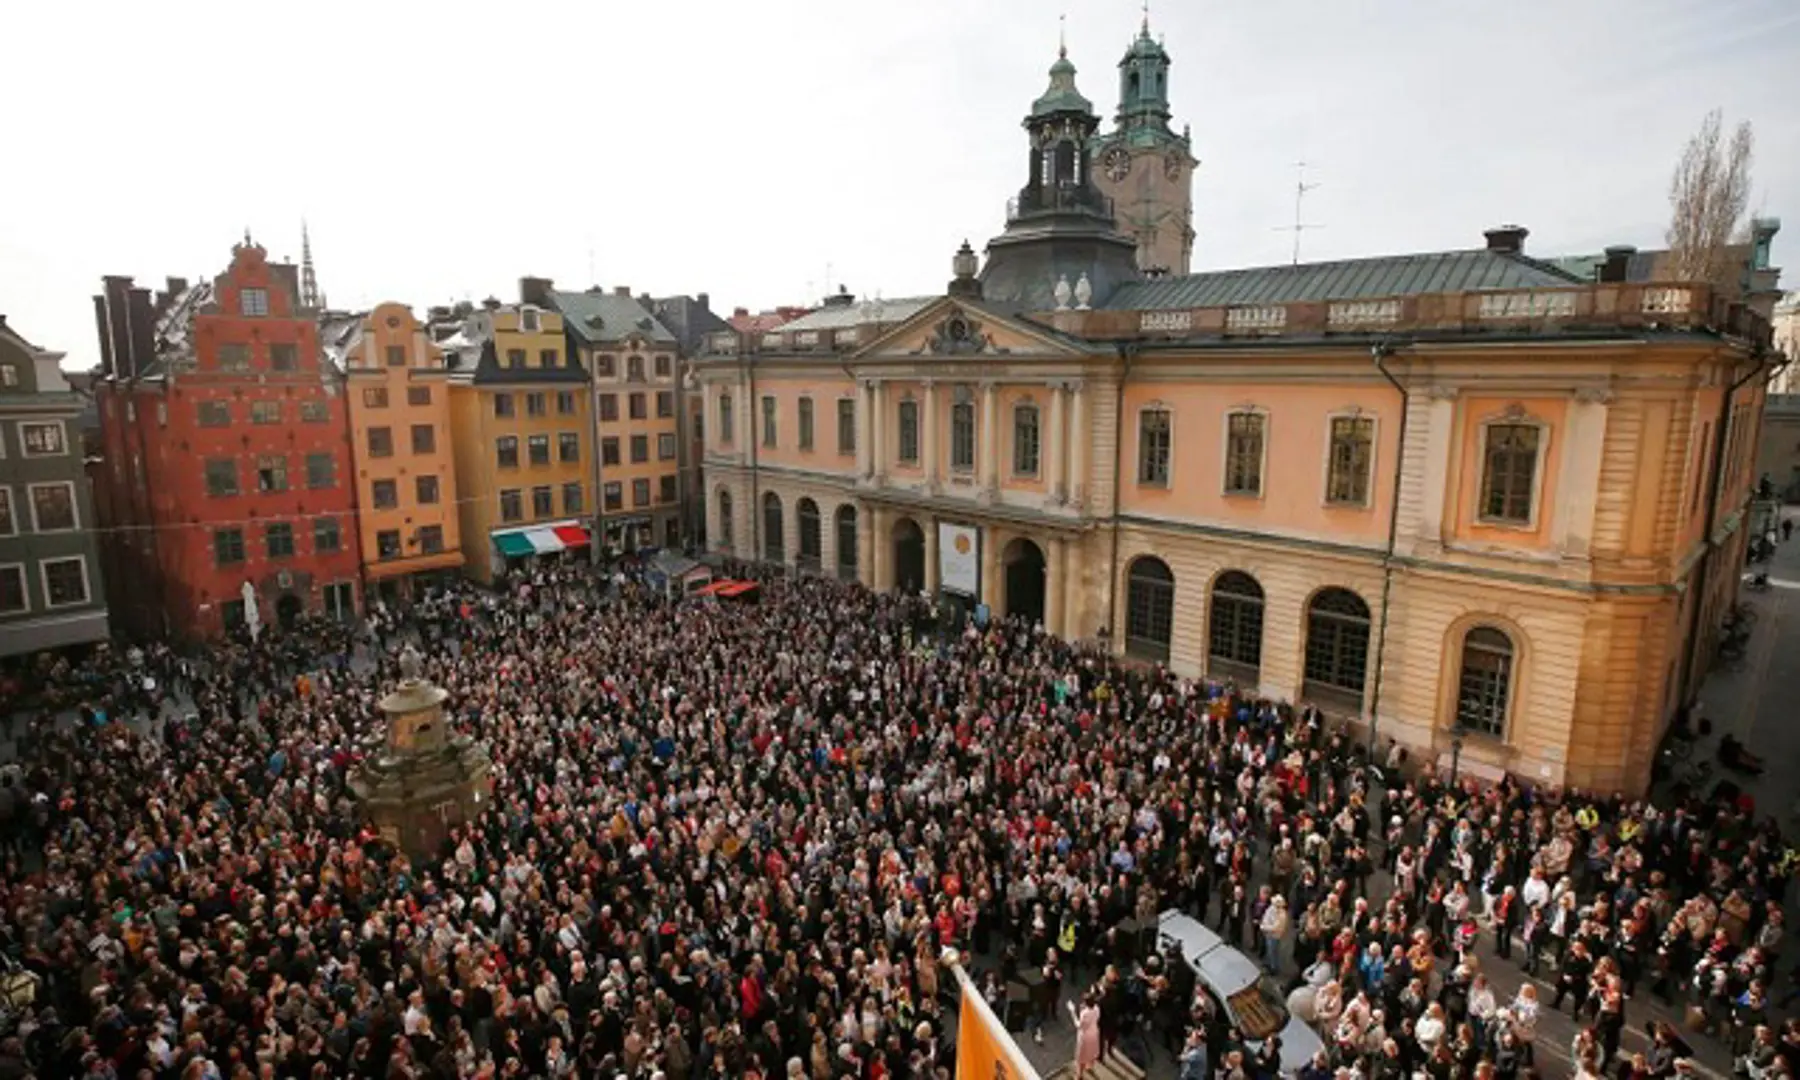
(406, 495)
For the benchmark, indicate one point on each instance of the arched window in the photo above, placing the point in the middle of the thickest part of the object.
(774, 539)
(1234, 633)
(1149, 609)
(847, 542)
(1337, 645)
(1484, 685)
(808, 513)
(725, 524)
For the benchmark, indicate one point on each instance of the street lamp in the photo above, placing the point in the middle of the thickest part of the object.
(1456, 745)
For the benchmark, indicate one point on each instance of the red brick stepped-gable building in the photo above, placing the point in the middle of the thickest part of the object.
(227, 457)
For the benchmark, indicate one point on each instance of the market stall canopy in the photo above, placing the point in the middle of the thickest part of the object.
(514, 545)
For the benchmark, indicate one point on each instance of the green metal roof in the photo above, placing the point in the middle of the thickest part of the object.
(602, 316)
(1062, 95)
(1349, 279)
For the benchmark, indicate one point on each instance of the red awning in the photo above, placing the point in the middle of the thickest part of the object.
(572, 535)
(738, 588)
(714, 588)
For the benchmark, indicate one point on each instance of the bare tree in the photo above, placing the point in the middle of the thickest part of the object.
(1707, 199)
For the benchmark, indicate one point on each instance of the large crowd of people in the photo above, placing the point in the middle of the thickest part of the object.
(738, 840)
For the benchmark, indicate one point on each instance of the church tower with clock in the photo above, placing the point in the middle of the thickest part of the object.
(1144, 167)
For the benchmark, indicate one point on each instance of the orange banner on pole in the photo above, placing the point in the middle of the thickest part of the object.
(984, 1050)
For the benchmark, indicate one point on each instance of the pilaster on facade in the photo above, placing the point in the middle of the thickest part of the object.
(1578, 488)
(1058, 445)
(1078, 441)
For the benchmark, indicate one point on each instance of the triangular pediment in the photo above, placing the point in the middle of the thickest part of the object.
(956, 329)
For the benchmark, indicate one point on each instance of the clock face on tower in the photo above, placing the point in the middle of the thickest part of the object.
(1118, 163)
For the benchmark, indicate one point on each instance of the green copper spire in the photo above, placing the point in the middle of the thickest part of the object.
(1144, 82)
(1062, 95)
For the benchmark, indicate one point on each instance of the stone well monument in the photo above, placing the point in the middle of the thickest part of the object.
(423, 781)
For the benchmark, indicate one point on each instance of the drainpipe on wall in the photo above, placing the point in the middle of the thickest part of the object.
(1702, 571)
(1380, 352)
(1127, 354)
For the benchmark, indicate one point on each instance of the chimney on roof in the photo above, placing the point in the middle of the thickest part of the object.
(437, 314)
(535, 291)
(647, 302)
(622, 290)
(1618, 262)
(177, 286)
(740, 313)
(704, 301)
(841, 298)
(1507, 239)
(492, 303)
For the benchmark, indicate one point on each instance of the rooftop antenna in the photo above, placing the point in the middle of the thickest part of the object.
(1301, 187)
(1146, 17)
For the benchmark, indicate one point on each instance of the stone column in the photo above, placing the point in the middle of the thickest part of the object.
(931, 554)
(1079, 437)
(928, 453)
(1054, 572)
(1074, 628)
(881, 550)
(865, 546)
(878, 434)
(865, 438)
(993, 588)
(1578, 488)
(1054, 441)
(989, 458)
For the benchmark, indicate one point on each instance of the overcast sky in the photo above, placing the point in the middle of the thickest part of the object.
(740, 147)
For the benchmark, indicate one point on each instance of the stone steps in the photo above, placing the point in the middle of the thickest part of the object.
(1114, 1066)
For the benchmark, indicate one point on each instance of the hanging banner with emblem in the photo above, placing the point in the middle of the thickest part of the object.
(984, 1050)
(959, 558)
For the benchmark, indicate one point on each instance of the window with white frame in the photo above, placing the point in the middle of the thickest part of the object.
(1510, 454)
(65, 581)
(1352, 456)
(909, 431)
(1025, 440)
(9, 525)
(805, 424)
(962, 436)
(42, 438)
(768, 420)
(254, 302)
(1155, 432)
(1244, 453)
(12, 590)
(53, 507)
(846, 425)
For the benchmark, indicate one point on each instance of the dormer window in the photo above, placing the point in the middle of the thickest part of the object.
(254, 302)
(528, 320)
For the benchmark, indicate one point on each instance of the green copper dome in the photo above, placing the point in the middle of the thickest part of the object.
(1062, 95)
(1145, 48)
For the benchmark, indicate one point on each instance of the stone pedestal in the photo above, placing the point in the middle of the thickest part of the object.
(424, 780)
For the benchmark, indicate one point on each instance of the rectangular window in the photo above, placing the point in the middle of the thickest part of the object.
(503, 405)
(506, 451)
(1352, 450)
(271, 473)
(609, 407)
(614, 494)
(234, 357)
(418, 395)
(664, 366)
(609, 450)
(9, 523)
(546, 358)
(640, 493)
(254, 302)
(278, 539)
(265, 412)
(228, 546)
(535, 404)
(321, 471)
(387, 544)
(634, 368)
(909, 432)
(606, 366)
(665, 446)
(283, 357)
(515, 358)
(528, 320)
(1243, 453)
(53, 507)
(214, 414)
(9, 374)
(572, 497)
(1154, 432)
(665, 403)
(396, 356)
(431, 539)
(537, 449)
(806, 423)
(962, 436)
(846, 412)
(512, 505)
(65, 581)
(565, 403)
(1509, 473)
(12, 590)
(543, 502)
(1025, 440)
(665, 489)
(768, 419)
(639, 409)
(384, 494)
(640, 449)
(725, 418)
(326, 537)
(42, 438)
(315, 412)
(568, 446)
(425, 490)
(375, 397)
(221, 476)
(381, 442)
(424, 439)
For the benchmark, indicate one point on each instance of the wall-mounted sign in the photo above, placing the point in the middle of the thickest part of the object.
(959, 558)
